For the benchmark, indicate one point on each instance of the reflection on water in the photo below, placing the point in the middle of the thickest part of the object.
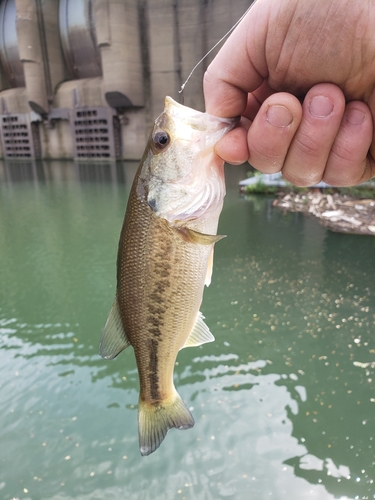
(283, 400)
(21, 170)
(56, 171)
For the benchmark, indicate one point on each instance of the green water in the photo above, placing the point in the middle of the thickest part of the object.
(282, 408)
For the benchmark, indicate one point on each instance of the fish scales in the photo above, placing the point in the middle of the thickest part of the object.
(171, 265)
(165, 259)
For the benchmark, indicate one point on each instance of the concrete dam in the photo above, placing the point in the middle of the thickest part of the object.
(84, 79)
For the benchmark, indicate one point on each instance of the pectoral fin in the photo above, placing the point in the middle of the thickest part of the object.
(114, 339)
(192, 236)
(200, 333)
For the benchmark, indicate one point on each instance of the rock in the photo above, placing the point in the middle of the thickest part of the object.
(351, 220)
(330, 201)
(332, 213)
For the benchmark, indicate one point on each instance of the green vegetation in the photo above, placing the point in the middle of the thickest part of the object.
(364, 191)
(260, 188)
(361, 192)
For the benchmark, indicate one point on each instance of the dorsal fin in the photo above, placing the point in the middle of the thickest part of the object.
(200, 333)
(114, 339)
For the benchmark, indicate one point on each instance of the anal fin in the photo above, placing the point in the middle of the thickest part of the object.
(200, 333)
(113, 339)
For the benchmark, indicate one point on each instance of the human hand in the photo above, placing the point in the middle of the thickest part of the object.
(321, 52)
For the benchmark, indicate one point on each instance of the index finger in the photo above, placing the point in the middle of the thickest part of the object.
(232, 74)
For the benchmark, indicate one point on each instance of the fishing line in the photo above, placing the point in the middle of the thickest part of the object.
(213, 48)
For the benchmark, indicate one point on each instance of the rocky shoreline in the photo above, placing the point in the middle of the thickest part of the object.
(337, 212)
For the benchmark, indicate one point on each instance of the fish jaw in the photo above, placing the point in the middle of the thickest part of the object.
(196, 126)
(200, 194)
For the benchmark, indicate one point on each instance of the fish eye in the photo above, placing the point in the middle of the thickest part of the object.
(161, 140)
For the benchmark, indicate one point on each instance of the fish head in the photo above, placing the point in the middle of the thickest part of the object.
(182, 176)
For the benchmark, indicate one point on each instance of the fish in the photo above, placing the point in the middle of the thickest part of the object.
(165, 258)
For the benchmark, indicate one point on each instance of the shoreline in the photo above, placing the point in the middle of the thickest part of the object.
(337, 209)
(337, 212)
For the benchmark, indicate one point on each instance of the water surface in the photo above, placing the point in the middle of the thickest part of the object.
(284, 399)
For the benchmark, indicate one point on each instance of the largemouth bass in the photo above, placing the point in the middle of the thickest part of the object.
(165, 258)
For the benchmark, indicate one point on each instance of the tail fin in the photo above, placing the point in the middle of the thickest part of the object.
(154, 421)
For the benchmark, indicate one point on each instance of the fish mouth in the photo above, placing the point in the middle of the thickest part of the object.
(202, 129)
(176, 109)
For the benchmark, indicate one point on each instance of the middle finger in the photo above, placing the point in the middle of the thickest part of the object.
(322, 112)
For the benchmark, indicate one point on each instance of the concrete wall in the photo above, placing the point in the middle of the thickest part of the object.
(147, 49)
(180, 33)
(57, 142)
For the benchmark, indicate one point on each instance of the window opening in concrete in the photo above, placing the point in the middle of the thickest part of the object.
(95, 135)
(20, 137)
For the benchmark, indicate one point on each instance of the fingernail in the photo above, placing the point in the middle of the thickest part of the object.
(320, 106)
(279, 116)
(355, 116)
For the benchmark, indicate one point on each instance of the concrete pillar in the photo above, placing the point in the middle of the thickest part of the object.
(30, 51)
(116, 24)
(50, 25)
(163, 75)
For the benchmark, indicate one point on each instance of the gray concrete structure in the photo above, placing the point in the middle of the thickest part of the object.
(86, 78)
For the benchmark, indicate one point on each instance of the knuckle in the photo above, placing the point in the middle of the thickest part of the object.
(305, 180)
(342, 151)
(266, 160)
(344, 175)
(345, 167)
(267, 154)
(306, 145)
(208, 77)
